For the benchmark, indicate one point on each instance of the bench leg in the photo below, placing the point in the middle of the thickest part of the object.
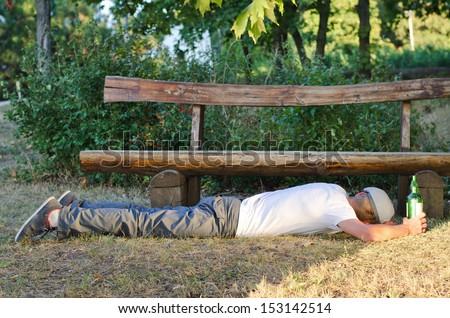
(431, 188)
(193, 193)
(403, 191)
(168, 188)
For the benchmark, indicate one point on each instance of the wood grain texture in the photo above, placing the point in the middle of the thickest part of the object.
(405, 128)
(431, 187)
(122, 89)
(260, 163)
(405, 145)
(197, 128)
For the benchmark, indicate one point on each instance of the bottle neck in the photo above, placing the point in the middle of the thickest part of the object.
(414, 186)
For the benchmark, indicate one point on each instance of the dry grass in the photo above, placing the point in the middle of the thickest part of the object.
(105, 266)
(407, 267)
(12, 150)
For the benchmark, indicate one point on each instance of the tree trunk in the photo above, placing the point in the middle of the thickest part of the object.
(389, 23)
(298, 40)
(387, 32)
(279, 44)
(249, 64)
(289, 23)
(323, 6)
(363, 9)
(279, 38)
(43, 37)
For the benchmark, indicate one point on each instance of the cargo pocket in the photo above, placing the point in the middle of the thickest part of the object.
(220, 214)
(226, 211)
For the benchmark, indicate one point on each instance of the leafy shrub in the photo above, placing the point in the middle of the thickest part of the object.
(427, 56)
(62, 111)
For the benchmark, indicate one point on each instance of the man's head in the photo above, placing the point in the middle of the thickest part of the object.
(381, 204)
(373, 206)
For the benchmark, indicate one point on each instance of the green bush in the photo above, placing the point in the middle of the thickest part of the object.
(427, 56)
(62, 111)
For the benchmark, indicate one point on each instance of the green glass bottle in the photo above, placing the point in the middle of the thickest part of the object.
(414, 202)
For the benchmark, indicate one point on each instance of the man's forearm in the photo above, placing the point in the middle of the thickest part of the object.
(382, 232)
(375, 232)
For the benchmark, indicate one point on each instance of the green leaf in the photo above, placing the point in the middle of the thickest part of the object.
(256, 12)
(205, 5)
(251, 18)
(270, 13)
(240, 24)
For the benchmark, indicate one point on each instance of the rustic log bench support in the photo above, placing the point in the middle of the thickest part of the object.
(262, 163)
(405, 146)
(196, 162)
(168, 188)
(194, 182)
(431, 187)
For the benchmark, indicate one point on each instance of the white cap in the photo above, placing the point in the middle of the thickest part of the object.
(381, 204)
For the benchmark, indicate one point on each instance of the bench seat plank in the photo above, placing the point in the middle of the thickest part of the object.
(262, 163)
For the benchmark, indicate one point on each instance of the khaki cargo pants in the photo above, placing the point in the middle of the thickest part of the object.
(212, 216)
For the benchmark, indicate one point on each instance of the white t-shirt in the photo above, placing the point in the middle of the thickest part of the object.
(308, 209)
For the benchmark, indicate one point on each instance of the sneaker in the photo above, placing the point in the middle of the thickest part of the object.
(37, 222)
(67, 198)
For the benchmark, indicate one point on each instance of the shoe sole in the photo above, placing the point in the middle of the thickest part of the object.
(20, 234)
(63, 198)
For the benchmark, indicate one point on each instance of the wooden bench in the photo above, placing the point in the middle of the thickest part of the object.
(195, 162)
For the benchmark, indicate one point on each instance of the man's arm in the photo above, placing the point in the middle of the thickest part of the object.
(387, 231)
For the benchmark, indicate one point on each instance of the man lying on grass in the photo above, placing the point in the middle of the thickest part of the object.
(307, 209)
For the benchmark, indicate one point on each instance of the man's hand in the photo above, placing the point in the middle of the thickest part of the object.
(417, 224)
(388, 230)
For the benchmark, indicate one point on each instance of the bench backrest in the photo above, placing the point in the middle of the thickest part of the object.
(122, 89)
